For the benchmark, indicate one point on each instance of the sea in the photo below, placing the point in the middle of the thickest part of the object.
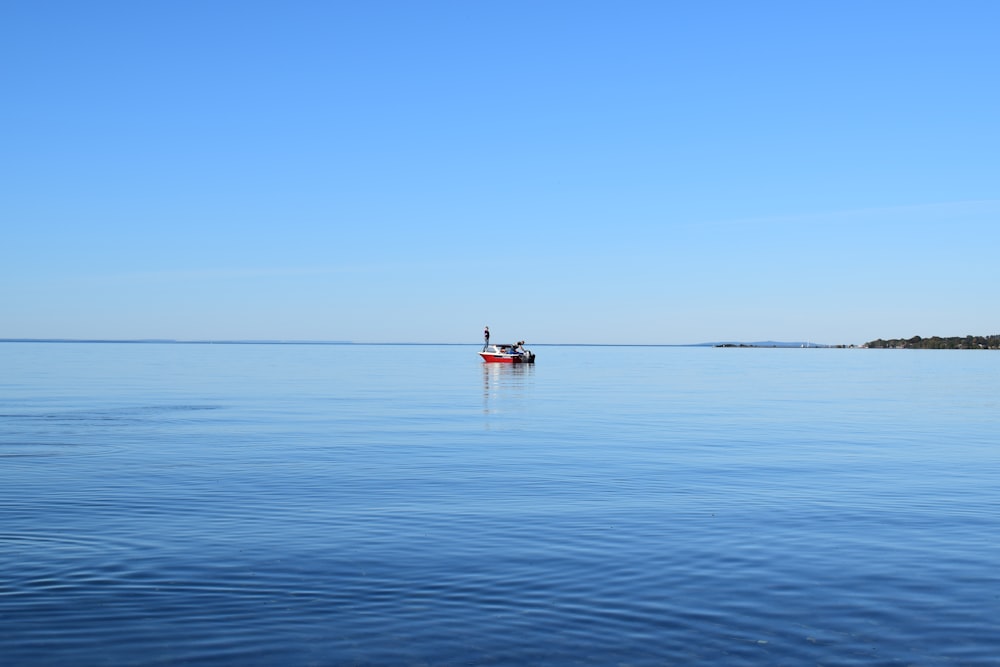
(293, 504)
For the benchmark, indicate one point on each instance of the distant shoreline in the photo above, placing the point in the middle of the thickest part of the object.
(937, 343)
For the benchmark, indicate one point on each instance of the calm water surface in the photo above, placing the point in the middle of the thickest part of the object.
(397, 505)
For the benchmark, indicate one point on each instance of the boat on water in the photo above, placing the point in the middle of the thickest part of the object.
(508, 354)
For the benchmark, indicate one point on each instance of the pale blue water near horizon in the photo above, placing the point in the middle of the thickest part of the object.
(172, 504)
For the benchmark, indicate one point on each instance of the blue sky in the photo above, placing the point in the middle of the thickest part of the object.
(592, 172)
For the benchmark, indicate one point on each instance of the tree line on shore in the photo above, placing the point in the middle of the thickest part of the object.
(939, 343)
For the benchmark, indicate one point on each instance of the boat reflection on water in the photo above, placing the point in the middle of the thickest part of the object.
(505, 387)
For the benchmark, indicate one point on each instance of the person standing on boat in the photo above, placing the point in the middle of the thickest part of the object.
(486, 336)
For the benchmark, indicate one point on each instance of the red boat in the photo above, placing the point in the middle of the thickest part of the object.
(508, 354)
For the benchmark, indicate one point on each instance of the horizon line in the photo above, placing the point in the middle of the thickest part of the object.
(276, 341)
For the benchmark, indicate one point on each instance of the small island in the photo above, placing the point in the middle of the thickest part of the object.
(938, 343)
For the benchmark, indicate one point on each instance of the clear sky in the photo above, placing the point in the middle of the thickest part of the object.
(592, 172)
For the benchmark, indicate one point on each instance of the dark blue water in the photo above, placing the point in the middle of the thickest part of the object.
(397, 505)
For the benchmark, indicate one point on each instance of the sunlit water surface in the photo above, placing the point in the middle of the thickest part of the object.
(393, 505)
